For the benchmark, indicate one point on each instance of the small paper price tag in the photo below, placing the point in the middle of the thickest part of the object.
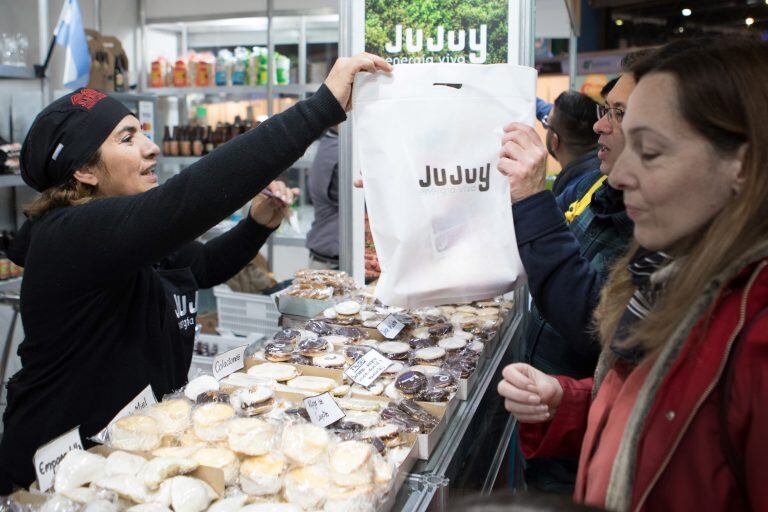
(390, 327)
(139, 402)
(229, 362)
(48, 456)
(323, 410)
(368, 368)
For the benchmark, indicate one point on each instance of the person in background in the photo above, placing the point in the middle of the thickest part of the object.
(323, 236)
(566, 251)
(674, 417)
(570, 138)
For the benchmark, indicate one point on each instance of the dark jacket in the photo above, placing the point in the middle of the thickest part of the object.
(108, 299)
(570, 174)
(323, 238)
(566, 267)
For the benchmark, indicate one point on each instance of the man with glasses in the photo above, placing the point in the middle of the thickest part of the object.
(567, 244)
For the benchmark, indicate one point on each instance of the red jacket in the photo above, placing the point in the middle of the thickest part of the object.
(672, 457)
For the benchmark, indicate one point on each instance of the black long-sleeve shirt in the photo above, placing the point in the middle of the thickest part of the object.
(108, 297)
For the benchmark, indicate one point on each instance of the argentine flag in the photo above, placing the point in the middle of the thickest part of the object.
(70, 34)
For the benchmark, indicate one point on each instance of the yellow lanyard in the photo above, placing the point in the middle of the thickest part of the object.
(578, 207)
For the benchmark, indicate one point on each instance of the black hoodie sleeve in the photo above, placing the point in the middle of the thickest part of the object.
(219, 259)
(106, 240)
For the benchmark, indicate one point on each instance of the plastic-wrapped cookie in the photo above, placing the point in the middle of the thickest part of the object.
(353, 404)
(253, 401)
(313, 347)
(467, 309)
(311, 383)
(172, 416)
(200, 385)
(394, 350)
(393, 369)
(273, 371)
(350, 463)
(421, 332)
(419, 343)
(488, 312)
(410, 383)
(263, 475)
(330, 314)
(329, 361)
(278, 353)
(374, 389)
(337, 341)
(307, 486)
(319, 327)
(432, 356)
(289, 335)
(364, 419)
(355, 352)
(426, 369)
(304, 444)
(433, 394)
(476, 346)
(348, 308)
(452, 345)
(220, 458)
(440, 330)
(209, 421)
(354, 334)
(388, 433)
(251, 436)
(135, 433)
(443, 380)
(350, 499)
(342, 390)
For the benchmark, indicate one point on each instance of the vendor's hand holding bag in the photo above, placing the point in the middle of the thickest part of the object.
(427, 139)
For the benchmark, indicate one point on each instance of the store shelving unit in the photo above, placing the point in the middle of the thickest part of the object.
(10, 285)
(235, 90)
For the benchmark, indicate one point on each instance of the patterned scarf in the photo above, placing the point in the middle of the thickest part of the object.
(650, 272)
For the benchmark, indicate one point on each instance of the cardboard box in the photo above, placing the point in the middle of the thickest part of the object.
(301, 307)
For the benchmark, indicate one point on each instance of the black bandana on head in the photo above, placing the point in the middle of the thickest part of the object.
(650, 272)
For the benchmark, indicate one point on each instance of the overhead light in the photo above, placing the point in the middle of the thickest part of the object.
(688, 12)
(749, 21)
(621, 22)
(680, 30)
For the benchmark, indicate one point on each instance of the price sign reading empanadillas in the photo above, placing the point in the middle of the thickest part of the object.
(429, 31)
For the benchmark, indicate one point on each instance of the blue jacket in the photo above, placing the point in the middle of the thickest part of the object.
(566, 267)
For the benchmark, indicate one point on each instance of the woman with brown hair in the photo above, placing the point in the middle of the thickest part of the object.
(675, 417)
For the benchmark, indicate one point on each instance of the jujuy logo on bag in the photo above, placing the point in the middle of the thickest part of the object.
(463, 179)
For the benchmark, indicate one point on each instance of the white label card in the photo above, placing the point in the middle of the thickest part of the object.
(390, 327)
(139, 402)
(229, 362)
(323, 410)
(48, 456)
(368, 368)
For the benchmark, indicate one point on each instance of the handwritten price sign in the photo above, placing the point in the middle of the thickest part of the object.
(323, 410)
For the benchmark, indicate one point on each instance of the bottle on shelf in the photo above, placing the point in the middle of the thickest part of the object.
(167, 141)
(174, 143)
(209, 144)
(198, 146)
(185, 142)
(119, 75)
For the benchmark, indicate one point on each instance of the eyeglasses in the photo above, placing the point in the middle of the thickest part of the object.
(614, 113)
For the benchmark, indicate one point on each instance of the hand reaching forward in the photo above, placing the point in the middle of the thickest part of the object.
(523, 161)
(343, 73)
(531, 395)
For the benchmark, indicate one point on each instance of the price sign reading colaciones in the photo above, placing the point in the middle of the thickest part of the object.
(229, 362)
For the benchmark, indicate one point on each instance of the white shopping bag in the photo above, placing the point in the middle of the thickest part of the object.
(427, 139)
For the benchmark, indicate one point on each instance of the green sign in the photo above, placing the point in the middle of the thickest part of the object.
(426, 31)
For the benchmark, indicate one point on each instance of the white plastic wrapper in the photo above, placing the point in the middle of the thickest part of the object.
(78, 468)
(427, 139)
